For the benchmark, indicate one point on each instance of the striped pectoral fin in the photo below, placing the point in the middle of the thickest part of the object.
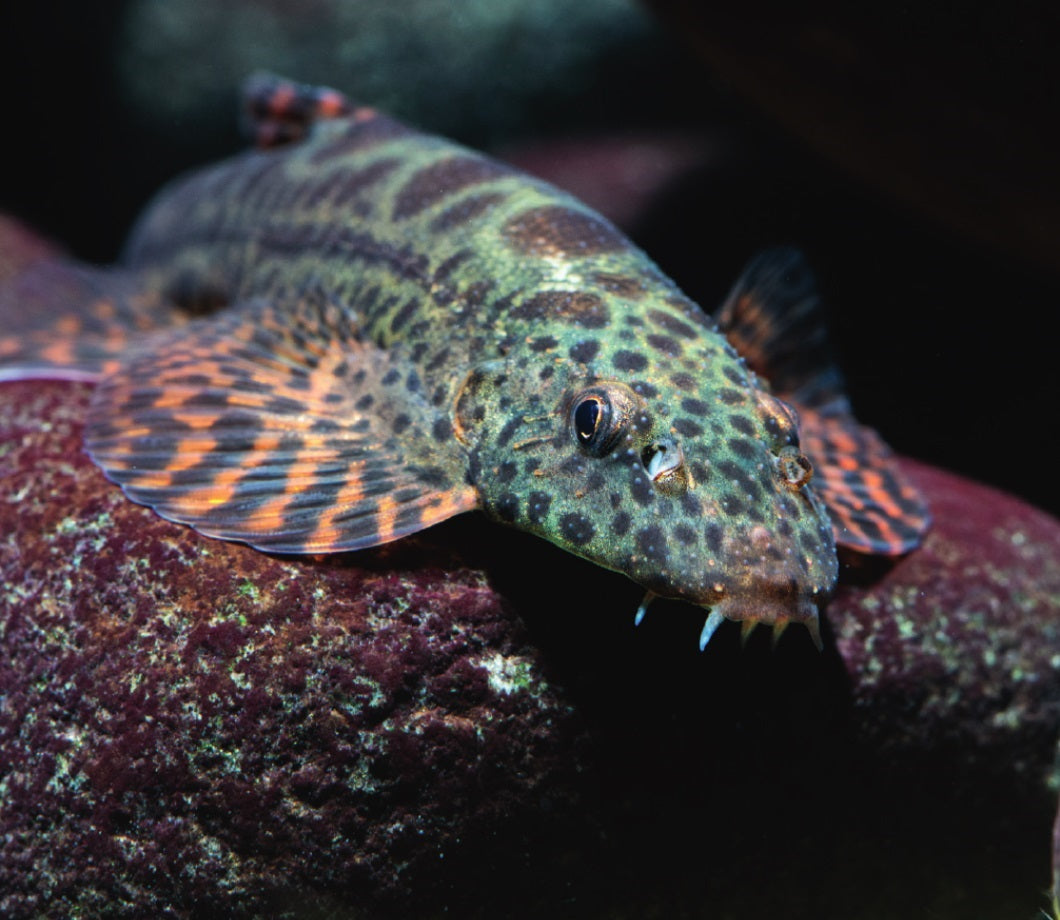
(873, 508)
(279, 111)
(277, 428)
(63, 320)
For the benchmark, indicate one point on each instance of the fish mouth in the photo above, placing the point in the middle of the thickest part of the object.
(750, 612)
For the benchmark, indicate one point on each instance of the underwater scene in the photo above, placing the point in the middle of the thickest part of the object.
(528, 459)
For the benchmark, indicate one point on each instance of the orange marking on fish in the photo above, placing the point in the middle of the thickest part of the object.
(280, 102)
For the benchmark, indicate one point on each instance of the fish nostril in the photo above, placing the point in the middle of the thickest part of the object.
(661, 458)
(793, 467)
(648, 455)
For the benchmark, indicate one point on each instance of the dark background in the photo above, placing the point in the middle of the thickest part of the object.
(944, 305)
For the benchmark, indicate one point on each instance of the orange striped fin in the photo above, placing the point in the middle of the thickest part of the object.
(277, 428)
(873, 509)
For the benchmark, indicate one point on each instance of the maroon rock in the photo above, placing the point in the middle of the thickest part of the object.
(188, 723)
(189, 727)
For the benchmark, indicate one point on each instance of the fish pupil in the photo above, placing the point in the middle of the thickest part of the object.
(587, 419)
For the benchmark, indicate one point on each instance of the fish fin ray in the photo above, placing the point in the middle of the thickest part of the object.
(278, 428)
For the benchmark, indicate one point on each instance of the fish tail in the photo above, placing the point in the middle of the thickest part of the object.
(63, 320)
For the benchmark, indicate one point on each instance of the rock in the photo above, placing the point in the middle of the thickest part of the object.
(467, 722)
(188, 723)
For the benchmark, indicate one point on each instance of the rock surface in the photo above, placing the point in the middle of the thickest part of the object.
(192, 728)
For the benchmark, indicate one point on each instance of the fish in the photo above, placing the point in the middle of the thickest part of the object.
(353, 331)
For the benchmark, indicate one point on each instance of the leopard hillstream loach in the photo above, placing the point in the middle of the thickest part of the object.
(356, 331)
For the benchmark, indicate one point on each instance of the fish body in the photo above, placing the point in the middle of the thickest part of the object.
(357, 331)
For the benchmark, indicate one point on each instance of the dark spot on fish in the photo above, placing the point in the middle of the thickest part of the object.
(507, 507)
(585, 351)
(441, 430)
(733, 506)
(508, 431)
(620, 523)
(438, 181)
(475, 294)
(651, 542)
(404, 314)
(439, 358)
(640, 488)
(687, 427)
(620, 285)
(546, 372)
(576, 528)
(544, 343)
(629, 361)
(413, 383)
(432, 476)
(713, 535)
(506, 471)
(683, 381)
(743, 448)
(451, 264)
(558, 230)
(685, 534)
(391, 377)
(668, 345)
(579, 307)
(339, 192)
(671, 324)
(729, 470)
(365, 402)
(400, 423)
(691, 505)
(742, 424)
(465, 210)
(695, 406)
(735, 375)
(537, 505)
(754, 514)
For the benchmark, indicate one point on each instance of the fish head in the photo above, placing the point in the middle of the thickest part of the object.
(680, 470)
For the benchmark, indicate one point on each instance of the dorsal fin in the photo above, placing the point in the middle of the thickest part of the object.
(774, 318)
(280, 111)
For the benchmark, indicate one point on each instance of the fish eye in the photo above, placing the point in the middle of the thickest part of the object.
(599, 416)
(587, 419)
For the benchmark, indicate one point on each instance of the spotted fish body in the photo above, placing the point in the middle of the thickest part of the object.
(358, 331)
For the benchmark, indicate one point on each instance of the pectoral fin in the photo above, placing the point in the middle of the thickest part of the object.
(281, 428)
